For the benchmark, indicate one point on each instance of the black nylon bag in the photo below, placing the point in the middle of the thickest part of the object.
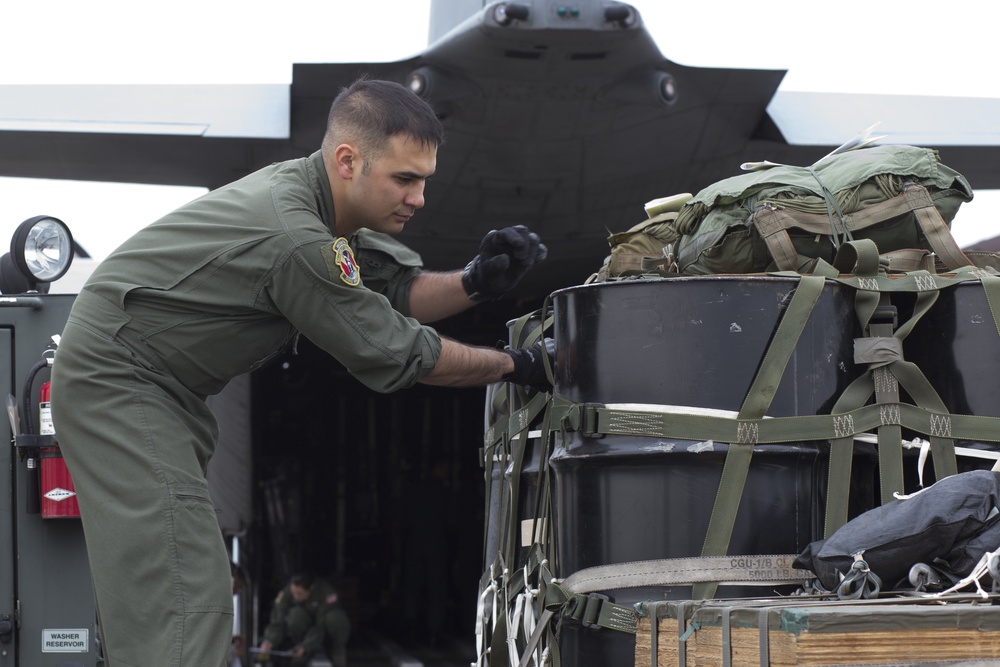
(948, 525)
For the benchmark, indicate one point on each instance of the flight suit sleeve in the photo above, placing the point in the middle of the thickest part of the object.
(277, 627)
(319, 290)
(387, 267)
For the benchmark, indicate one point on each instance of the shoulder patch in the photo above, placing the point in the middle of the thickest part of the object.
(341, 263)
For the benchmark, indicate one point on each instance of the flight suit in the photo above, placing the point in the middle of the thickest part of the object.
(317, 622)
(206, 293)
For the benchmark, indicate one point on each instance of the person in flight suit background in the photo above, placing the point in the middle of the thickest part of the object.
(305, 617)
(217, 288)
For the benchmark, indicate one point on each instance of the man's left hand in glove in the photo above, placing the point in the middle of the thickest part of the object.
(529, 364)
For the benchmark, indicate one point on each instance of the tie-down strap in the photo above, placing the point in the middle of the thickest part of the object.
(773, 223)
(699, 424)
(577, 595)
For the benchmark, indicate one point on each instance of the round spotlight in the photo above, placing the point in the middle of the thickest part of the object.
(623, 15)
(666, 88)
(417, 82)
(507, 12)
(42, 248)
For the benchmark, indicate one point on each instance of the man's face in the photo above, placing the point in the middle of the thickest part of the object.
(384, 193)
(299, 594)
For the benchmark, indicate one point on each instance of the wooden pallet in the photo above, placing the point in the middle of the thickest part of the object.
(783, 632)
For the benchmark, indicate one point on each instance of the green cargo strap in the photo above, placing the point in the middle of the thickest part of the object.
(890, 436)
(517, 423)
(755, 404)
(906, 260)
(881, 350)
(498, 438)
(542, 529)
(877, 317)
(520, 422)
(494, 445)
(991, 284)
(842, 455)
(773, 223)
(934, 227)
(520, 339)
(683, 423)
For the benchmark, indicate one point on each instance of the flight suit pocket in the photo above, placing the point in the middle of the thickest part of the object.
(200, 563)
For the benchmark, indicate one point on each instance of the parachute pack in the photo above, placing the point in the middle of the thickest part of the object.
(789, 218)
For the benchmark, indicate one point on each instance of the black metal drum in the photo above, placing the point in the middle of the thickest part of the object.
(695, 342)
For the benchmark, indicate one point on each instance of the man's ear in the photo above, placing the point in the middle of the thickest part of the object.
(347, 160)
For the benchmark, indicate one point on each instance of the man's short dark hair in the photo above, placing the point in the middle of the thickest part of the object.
(370, 111)
(302, 580)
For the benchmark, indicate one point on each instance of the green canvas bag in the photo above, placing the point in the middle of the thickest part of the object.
(639, 250)
(786, 218)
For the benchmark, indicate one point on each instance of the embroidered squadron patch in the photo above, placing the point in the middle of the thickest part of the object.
(343, 258)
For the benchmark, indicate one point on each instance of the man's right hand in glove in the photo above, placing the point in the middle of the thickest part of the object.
(470, 366)
(529, 365)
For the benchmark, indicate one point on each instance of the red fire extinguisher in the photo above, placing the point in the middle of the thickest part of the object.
(58, 493)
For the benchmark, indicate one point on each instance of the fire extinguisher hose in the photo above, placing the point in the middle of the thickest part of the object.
(33, 493)
(26, 393)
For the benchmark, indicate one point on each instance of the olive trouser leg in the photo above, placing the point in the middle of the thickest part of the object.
(334, 630)
(136, 443)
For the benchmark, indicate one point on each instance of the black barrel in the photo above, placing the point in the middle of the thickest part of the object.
(957, 347)
(694, 342)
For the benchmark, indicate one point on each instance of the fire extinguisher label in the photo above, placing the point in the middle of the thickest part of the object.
(58, 494)
(45, 417)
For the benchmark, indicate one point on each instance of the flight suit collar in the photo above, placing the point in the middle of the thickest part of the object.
(321, 185)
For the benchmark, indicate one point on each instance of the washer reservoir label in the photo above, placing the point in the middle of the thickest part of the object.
(65, 641)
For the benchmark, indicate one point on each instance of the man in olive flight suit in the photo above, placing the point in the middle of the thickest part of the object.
(214, 290)
(307, 616)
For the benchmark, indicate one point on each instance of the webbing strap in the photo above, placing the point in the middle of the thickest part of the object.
(842, 455)
(763, 570)
(673, 422)
(773, 224)
(934, 228)
(494, 439)
(991, 284)
(890, 436)
(916, 384)
(755, 404)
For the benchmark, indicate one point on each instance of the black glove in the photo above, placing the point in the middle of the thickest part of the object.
(529, 368)
(504, 257)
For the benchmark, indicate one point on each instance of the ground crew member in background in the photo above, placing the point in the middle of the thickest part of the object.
(307, 616)
(215, 289)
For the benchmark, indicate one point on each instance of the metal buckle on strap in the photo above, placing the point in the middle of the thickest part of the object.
(588, 423)
(582, 417)
(885, 315)
(587, 609)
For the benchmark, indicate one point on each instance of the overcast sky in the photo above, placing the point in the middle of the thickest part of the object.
(873, 47)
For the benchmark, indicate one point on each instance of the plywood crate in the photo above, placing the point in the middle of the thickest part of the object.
(785, 632)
